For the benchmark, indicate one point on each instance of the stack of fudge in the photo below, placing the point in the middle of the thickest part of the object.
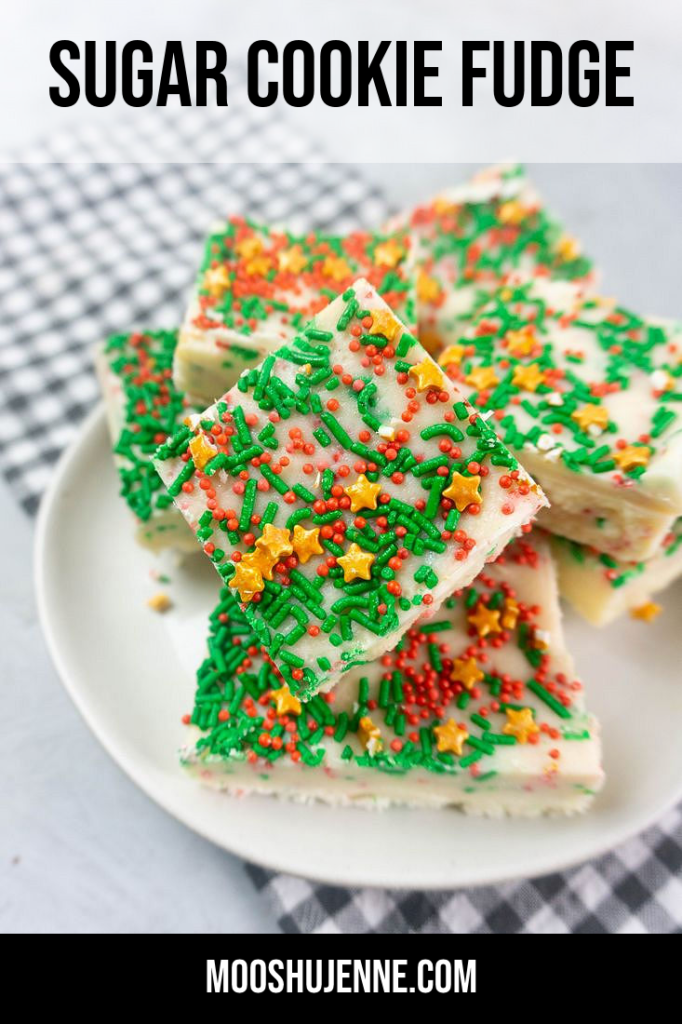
(359, 433)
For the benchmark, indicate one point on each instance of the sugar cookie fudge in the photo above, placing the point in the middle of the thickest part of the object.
(470, 239)
(477, 707)
(587, 394)
(143, 407)
(258, 286)
(601, 588)
(342, 487)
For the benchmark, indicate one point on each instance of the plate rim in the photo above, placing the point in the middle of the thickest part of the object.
(68, 678)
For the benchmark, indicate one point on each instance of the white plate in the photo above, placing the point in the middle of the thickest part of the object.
(130, 673)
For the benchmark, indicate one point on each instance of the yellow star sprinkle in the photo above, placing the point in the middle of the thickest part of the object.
(356, 563)
(247, 580)
(160, 603)
(285, 702)
(249, 247)
(512, 212)
(646, 612)
(444, 207)
(306, 543)
(369, 735)
(292, 260)
(428, 375)
(528, 377)
(428, 288)
(262, 561)
(258, 267)
(275, 541)
(336, 268)
(388, 254)
(510, 614)
(486, 620)
(383, 322)
(217, 281)
(632, 456)
(568, 248)
(482, 378)
(450, 737)
(363, 493)
(591, 416)
(520, 724)
(520, 343)
(202, 451)
(463, 490)
(466, 672)
(452, 354)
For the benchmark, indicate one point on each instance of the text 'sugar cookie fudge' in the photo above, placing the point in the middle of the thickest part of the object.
(601, 588)
(258, 286)
(470, 239)
(587, 394)
(342, 488)
(477, 707)
(143, 407)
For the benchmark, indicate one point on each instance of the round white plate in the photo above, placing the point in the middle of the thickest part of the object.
(130, 673)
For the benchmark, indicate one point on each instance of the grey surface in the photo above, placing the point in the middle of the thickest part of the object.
(80, 847)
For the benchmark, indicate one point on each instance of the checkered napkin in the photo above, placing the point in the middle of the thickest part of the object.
(91, 249)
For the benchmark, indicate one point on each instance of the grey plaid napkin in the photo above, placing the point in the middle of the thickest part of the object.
(91, 249)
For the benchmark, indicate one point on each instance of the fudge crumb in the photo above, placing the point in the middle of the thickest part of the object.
(160, 602)
(646, 612)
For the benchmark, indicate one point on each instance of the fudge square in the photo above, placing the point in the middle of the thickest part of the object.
(587, 394)
(258, 286)
(143, 407)
(477, 707)
(601, 588)
(471, 238)
(342, 488)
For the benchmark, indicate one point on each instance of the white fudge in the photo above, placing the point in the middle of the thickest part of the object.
(469, 239)
(478, 707)
(601, 588)
(143, 407)
(343, 487)
(587, 394)
(258, 286)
